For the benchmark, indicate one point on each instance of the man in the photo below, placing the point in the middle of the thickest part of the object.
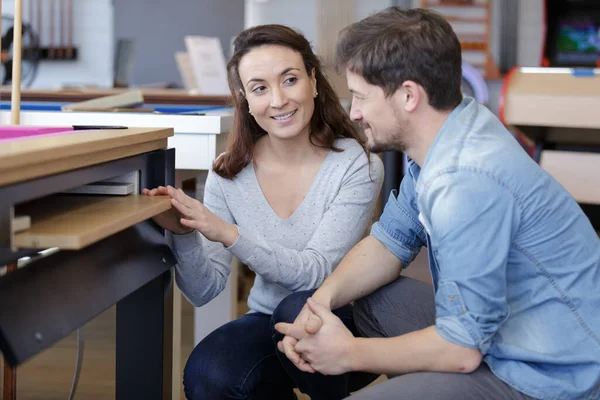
(515, 263)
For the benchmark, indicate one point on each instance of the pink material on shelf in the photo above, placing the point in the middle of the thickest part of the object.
(15, 131)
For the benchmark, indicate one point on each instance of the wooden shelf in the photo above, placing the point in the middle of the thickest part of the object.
(576, 172)
(471, 37)
(550, 98)
(456, 18)
(473, 46)
(72, 222)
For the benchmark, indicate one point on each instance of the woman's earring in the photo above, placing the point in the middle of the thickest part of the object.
(250, 111)
(316, 94)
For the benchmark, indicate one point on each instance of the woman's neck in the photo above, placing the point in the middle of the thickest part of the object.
(293, 151)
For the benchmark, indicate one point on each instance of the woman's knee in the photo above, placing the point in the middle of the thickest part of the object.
(290, 307)
(206, 375)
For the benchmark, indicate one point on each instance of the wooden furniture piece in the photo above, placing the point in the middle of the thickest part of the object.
(471, 20)
(197, 140)
(110, 252)
(555, 109)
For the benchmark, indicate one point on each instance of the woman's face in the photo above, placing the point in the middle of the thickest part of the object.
(279, 91)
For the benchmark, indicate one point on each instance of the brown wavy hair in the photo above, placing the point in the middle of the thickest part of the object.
(328, 123)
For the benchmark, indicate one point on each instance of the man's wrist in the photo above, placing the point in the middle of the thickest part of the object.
(356, 353)
(323, 297)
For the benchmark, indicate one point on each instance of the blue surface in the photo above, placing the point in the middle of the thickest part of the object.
(583, 72)
(162, 108)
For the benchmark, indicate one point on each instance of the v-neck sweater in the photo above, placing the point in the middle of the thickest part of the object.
(287, 255)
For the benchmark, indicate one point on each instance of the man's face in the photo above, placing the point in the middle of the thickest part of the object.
(385, 126)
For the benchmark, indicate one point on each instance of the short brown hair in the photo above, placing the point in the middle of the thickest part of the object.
(395, 45)
(329, 121)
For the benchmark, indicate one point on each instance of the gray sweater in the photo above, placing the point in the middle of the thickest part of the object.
(288, 255)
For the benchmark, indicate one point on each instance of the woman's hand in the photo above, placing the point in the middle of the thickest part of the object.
(195, 216)
(170, 219)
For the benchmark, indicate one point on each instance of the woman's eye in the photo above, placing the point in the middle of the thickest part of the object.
(258, 89)
(291, 80)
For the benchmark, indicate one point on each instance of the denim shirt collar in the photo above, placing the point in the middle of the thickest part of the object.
(451, 131)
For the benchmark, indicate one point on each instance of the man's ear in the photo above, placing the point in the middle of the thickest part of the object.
(411, 96)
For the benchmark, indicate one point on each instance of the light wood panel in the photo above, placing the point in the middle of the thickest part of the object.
(72, 222)
(67, 164)
(577, 172)
(31, 151)
(30, 158)
(551, 97)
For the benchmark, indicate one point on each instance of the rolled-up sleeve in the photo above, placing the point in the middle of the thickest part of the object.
(473, 218)
(399, 229)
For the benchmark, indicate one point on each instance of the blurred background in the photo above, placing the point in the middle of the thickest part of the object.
(534, 63)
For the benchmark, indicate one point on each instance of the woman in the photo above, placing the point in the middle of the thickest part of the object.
(294, 191)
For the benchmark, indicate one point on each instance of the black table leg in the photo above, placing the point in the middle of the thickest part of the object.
(144, 340)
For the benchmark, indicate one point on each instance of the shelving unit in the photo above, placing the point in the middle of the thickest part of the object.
(471, 20)
(551, 107)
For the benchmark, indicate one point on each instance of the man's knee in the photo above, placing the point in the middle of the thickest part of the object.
(404, 305)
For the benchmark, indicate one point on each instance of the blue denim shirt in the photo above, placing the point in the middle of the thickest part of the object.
(515, 263)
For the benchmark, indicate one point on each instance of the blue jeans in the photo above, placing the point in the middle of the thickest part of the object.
(240, 360)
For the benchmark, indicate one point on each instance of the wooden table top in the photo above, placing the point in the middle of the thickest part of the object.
(28, 158)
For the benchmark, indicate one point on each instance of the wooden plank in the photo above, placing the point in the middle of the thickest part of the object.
(457, 18)
(473, 46)
(31, 151)
(457, 3)
(19, 174)
(576, 172)
(21, 223)
(541, 97)
(72, 222)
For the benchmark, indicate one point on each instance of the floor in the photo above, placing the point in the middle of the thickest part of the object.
(48, 376)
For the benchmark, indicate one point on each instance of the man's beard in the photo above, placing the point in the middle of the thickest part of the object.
(394, 141)
(379, 147)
